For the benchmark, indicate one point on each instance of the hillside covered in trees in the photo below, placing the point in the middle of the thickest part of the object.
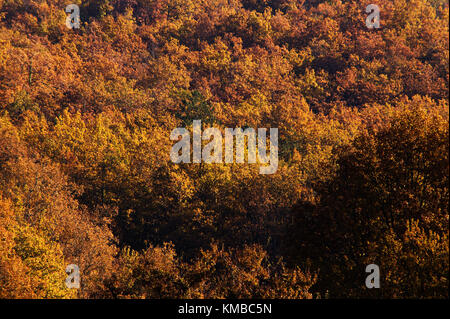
(85, 170)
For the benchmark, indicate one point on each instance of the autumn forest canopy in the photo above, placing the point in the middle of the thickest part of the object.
(86, 176)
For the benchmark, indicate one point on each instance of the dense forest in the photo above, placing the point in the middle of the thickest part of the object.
(86, 176)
